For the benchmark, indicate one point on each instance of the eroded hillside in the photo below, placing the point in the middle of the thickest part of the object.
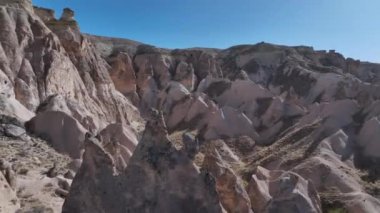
(251, 128)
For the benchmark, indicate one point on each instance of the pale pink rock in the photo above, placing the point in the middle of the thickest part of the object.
(63, 132)
(358, 202)
(120, 141)
(243, 91)
(164, 172)
(228, 122)
(369, 136)
(185, 75)
(229, 185)
(123, 74)
(337, 142)
(275, 191)
(336, 114)
(149, 65)
(328, 171)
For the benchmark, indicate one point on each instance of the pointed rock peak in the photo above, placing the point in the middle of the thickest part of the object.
(153, 181)
(68, 15)
(95, 156)
(155, 144)
(163, 171)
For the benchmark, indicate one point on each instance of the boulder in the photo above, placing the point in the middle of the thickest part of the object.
(13, 108)
(12, 131)
(62, 131)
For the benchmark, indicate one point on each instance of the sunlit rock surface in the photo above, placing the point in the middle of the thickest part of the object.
(138, 128)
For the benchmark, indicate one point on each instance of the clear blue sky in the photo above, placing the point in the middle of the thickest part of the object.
(351, 27)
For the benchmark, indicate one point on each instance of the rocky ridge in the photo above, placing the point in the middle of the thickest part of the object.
(252, 128)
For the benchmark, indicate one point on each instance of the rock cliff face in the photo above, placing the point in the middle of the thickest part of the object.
(251, 128)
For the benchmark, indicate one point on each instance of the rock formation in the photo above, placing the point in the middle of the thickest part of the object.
(137, 128)
(279, 191)
(63, 132)
(171, 182)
